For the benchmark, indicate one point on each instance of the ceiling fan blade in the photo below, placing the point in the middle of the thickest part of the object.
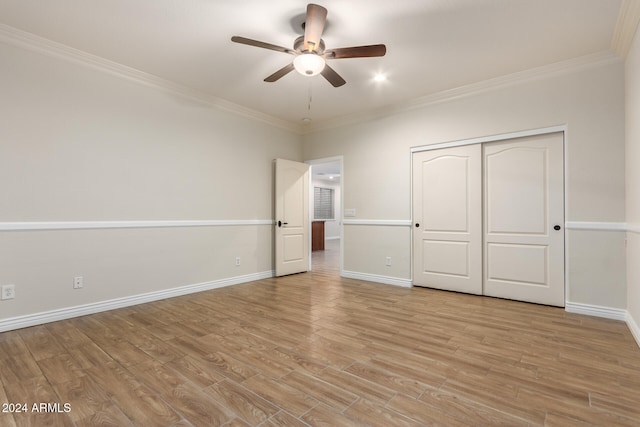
(314, 26)
(356, 52)
(333, 77)
(280, 73)
(256, 43)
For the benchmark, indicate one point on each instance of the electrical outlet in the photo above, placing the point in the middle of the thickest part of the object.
(237, 261)
(388, 261)
(78, 282)
(8, 292)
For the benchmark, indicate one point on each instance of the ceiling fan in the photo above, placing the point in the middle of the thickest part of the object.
(309, 50)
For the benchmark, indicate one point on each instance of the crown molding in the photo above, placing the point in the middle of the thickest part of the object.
(13, 36)
(627, 23)
(626, 27)
(533, 74)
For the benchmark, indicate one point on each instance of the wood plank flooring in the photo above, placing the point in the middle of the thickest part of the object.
(315, 349)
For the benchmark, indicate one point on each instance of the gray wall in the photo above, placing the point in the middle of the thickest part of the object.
(78, 144)
(588, 100)
(633, 183)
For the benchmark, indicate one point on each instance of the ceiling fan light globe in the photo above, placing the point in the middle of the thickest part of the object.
(309, 64)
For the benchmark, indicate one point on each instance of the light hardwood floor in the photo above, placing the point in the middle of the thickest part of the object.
(315, 349)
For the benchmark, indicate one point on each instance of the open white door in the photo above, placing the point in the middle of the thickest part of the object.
(447, 202)
(292, 217)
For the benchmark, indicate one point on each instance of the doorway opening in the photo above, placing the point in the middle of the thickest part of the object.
(325, 214)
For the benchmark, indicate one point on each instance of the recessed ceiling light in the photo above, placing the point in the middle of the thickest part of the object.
(306, 120)
(380, 77)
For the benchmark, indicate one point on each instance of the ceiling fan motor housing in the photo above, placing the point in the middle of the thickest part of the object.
(298, 45)
(308, 63)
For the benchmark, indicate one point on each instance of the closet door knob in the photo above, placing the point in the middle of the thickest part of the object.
(417, 225)
(556, 227)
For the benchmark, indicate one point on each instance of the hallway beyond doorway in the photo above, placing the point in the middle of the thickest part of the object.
(327, 260)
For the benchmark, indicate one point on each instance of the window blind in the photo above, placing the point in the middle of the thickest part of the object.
(323, 203)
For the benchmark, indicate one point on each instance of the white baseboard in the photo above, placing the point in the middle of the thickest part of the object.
(606, 312)
(83, 310)
(406, 283)
(596, 310)
(633, 327)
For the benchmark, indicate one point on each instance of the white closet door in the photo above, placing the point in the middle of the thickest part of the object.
(447, 204)
(523, 219)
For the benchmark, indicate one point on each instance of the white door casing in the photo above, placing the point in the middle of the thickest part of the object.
(523, 219)
(292, 217)
(447, 204)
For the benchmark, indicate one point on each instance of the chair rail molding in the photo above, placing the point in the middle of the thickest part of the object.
(379, 222)
(596, 226)
(92, 225)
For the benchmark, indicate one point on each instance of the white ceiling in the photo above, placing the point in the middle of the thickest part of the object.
(329, 171)
(432, 45)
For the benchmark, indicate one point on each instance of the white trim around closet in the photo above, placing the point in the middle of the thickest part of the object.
(491, 138)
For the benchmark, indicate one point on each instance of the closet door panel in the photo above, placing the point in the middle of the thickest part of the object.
(523, 219)
(447, 201)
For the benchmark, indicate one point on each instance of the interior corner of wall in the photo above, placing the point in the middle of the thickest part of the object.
(634, 327)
